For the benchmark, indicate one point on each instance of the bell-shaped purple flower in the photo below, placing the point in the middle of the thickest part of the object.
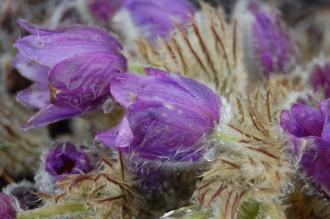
(269, 48)
(158, 18)
(320, 78)
(312, 125)
(104, 9)
(7, 209)
(167, 116)
(71, 69)
(66, 158)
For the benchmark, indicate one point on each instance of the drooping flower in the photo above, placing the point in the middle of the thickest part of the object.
(7, 209)
(311, 124)
(268, 47)
(320, 78)
(66, 158)
(25, 195)
(71, 69)
(167, 115)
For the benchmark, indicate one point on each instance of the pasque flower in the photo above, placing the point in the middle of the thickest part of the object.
(320, 78)
(7, 209)
(269, 48)
(153, 18)
(71, 69)
(312, 124)
(167, 116)
(66, 158)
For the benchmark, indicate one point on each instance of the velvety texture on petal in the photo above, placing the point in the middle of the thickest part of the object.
(157, 18)
(272, 45)
(90, 32)
(167, 116)
(50, 114)
(166, 88)
(166, 133)
(36, 96)
(104, 9)
(82, 82)
(7, 210)
(46, 49)
(31, 69)
(66, 158)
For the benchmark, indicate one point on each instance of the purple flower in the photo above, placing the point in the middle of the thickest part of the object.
(71, 69)
(66, 158)
(104, 9)
(311, 124)
(7, 209)
(320, 78)
(167, 115)
(268, 42)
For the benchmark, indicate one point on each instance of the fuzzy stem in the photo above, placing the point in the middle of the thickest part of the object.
(52, 210)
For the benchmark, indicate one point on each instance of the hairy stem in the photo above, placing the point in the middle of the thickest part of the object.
(52, 210)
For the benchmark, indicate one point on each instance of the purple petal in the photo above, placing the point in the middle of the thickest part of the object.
(82, 82)
(309, 118)
(46, 49)
(92, 33)
(119, 137)
(273, 47)
(156, 18)
(48, 115)
(325, 108)
(36, 96)
(104, 9)
(163, 132)
(316, 163)
(65, 158)
(168, 89)
(289, 124)
(320, 78)
(31, 69)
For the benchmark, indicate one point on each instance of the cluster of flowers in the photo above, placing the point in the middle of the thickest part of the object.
(169, 119)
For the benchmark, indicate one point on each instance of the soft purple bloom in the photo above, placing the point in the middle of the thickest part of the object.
(320, 78)
(167, 115)
(7, 209)
(66, 158)
(104, 9)
(71, 69)
(312, 125)
(271, 46)
(158, 18)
